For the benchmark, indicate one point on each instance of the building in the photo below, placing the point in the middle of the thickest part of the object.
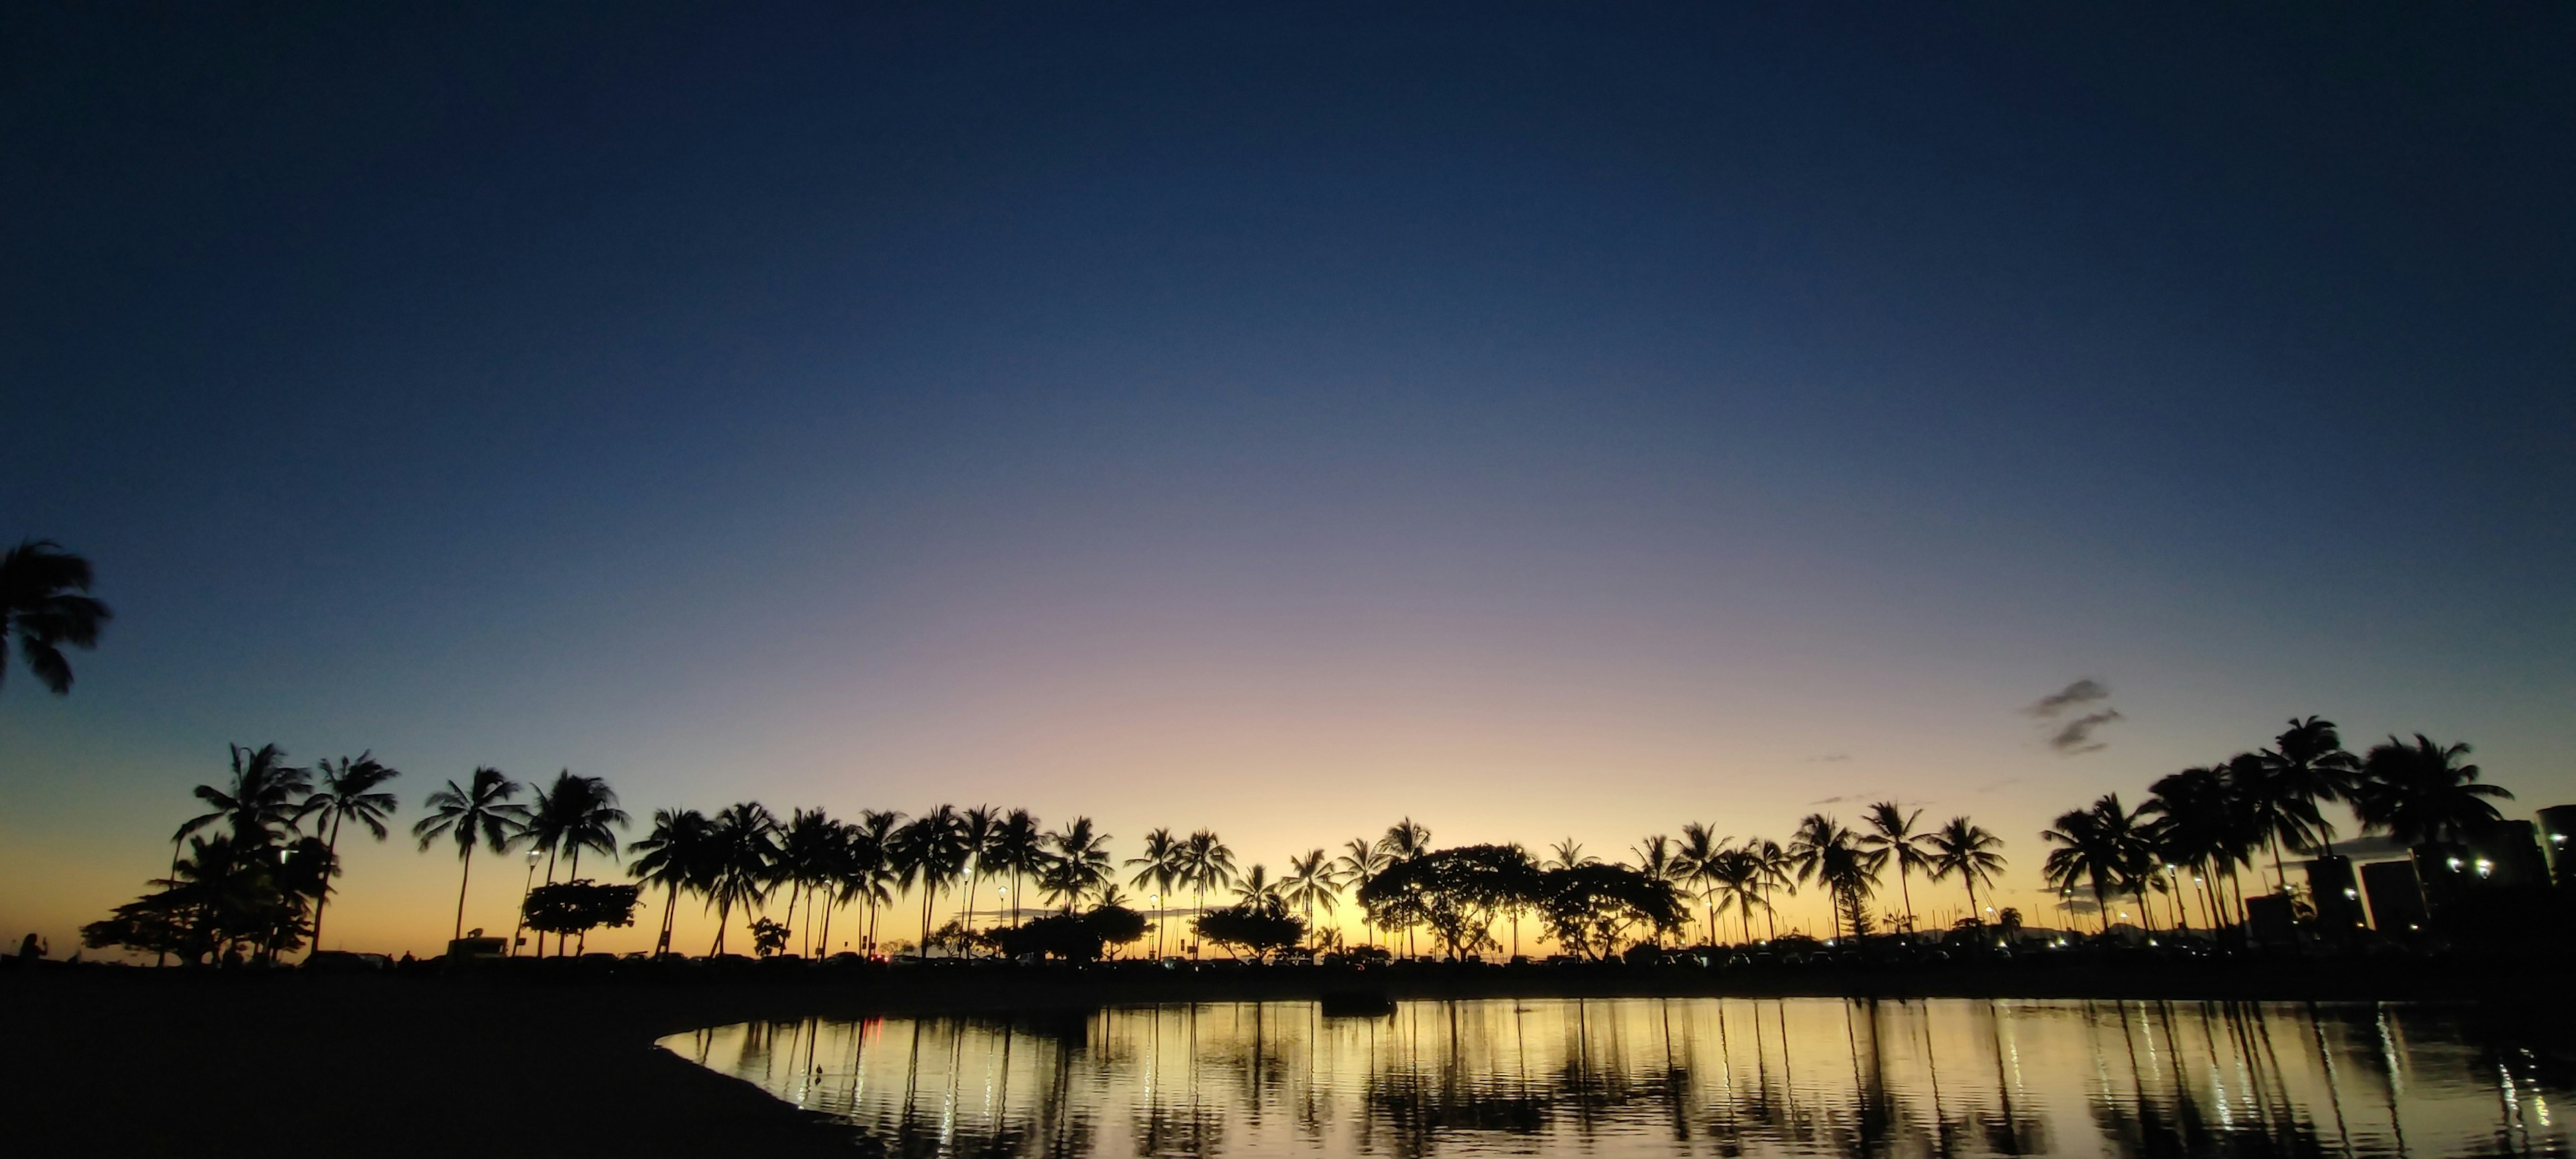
(2336, 895)
(2558, 837)
(2396, 897)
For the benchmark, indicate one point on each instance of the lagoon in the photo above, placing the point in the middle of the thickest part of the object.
(1642, 1077)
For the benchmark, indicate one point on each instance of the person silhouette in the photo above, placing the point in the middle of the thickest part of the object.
(32, 949)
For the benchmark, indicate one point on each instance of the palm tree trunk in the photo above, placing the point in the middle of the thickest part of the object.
(162, 957)
(461, 881)
(1974, 914)
(330, 861)
(1908, 893)
(670, 900)
(584, 942)
(724, 917)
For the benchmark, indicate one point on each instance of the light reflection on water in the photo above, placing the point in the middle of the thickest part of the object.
(1658, 1077)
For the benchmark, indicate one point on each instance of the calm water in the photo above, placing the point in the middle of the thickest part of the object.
(1648, 1077)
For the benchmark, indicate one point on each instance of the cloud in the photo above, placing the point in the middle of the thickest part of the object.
(1827, 759)
(2084, 691)
(1835, 800)
(2077, 737)
(1988, 788)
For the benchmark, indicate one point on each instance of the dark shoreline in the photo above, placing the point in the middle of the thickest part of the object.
(554, 1062)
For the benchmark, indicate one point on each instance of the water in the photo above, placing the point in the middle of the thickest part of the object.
(1650, 1077)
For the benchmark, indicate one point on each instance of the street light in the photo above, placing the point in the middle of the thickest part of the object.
(518, 931)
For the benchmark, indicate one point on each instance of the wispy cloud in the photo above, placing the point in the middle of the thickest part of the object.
(2077, 737)
(1994, 785)
(1838, 800)
(1826, 759)
(2081, 692)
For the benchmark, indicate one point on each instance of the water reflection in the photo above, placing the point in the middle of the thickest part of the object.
(1645, 1077)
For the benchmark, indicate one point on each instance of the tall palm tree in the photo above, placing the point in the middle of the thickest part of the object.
(1255, 887)
(930, 850)
(810, 847)
(675, 857)
(2308, 762)
(1698, 853)
(1018, 848)
(1655, 858)
(1360, 863)
(2102, 847)
(1205, 863)
(1824, 851)
(1406, 839)
(263, 804)
(39, 609)
(1776, 868)
(868, 865)
(1157, 869)
(2279, 809)
(1965, 849)
(351, 792)
(480, 810)
(572, 814)
(2423, 792)
(2198, 825)
(1891, 835)
(983, 826)
(742, 842)
(1312, 876)
(1081, 860)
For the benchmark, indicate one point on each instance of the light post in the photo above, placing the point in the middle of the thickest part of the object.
(525, 889)
(1156, 900)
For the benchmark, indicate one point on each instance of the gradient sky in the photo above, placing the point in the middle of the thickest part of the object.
(1275, 419)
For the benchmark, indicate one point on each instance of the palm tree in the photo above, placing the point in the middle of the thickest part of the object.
(1967, 850)
(2198, 824)
(39, 610)
(1254, 887)
(1775, 865)
(2102, 847)
(1892, 837)
(2278, 808)
(1823, 850)
(675, 857)
(1360, 863)
(983, 827)
(350, 792)
(868, 865)
(1655, 859)
(1700, 847)
(2308, 762)
(481, 810)
(742, 845)
(2422, 792)
(572, 814)
(1158, 867)
(1018, 848)
(1312, 877)
(930, 849)
(1406, 839)
(1206, 862)
(264, 802)
(1568, 854)
(1735, 877)
(1081, 863)
(809, 849)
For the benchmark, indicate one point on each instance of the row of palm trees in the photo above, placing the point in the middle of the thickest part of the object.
(2213, 821)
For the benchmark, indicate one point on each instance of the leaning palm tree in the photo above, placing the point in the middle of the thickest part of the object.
(39, 608)
(742, 849)
(480, 811)
(1698, 852)
(675, 857)
(264, 802)
(1312, 877)
(1360, 863)
(1893, 838)
(2423, 792)
(1966, 849)
(2279, 809)
(2197, 824)
(351, 792)
(1157, 869)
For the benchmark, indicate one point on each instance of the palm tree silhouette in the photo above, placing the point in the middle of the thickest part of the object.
(2198, 824)
(40, 611)
(982, 826)
(1157, 868)
(1823, 850)
(1018, 848)
(1775, 865)
(2422, 792)
(1360, 863)
(1656, 859)
(675, 857)
(1205, 863)
(1700, 847)
(742, 845)
(572, 814)
(1892, 837)
(2308, 762)
(2279, 809)
(1735, 878)
(1965, 849)
(350, 792)
(930, 849)
(1082, 865)
(1312, 877)
(1406, 839)
(867, 866)
(1568, 854)
(810, 849)
(2101, 847)
(264, 801)
(481, 810)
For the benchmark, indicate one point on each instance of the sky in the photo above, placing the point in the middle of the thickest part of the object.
(1275, 419)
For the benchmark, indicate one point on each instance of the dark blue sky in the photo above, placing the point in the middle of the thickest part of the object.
(818, 388)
